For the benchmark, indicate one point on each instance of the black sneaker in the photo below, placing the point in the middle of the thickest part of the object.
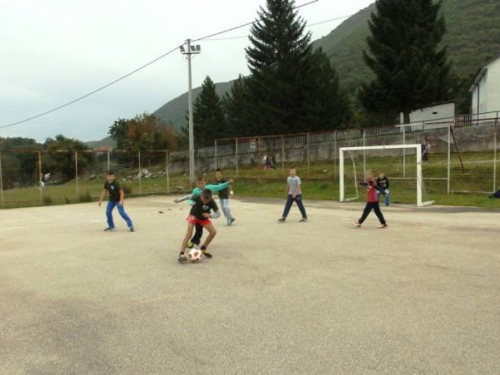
(304, 219)
(282, 220)
(205, 253)
(182, 258)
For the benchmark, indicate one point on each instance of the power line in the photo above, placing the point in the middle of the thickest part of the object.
(67, 104)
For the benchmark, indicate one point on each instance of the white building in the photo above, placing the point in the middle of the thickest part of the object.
(435, 112)
(486, 90)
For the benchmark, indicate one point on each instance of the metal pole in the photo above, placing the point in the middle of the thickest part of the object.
(283, 152)
(1, 179)
(216, 164)
(191, 120)
(419, 176)
(364, 153)
(308, 155)
(341, 176)
(236, 152)
(495, 146)
(167, 170)
(335, 159)
(404, 151)
(449, 161)
(140, 172)
(76, 174)
(109, 160)
(40, 175)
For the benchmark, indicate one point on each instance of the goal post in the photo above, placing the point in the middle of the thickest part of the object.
(419, 174)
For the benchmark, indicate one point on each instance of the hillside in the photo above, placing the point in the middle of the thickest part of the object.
(106, 142)
(473, 37)
(175, 110)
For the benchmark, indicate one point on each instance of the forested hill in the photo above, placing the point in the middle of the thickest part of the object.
(473, 37)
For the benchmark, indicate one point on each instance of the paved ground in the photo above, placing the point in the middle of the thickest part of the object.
(422, 297)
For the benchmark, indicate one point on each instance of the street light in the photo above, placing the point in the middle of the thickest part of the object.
(189, 52)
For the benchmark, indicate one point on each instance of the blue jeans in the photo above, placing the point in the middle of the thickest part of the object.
(289, 203)
(225, 209)
(387, 198)
(109, 213)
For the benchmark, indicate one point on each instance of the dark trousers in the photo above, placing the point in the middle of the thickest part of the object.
(289, 203)
(198, 233)
(375, 206)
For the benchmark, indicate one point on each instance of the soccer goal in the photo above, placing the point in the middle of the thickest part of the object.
(402, 165)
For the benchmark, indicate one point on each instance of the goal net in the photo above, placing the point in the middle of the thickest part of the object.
(401, 164)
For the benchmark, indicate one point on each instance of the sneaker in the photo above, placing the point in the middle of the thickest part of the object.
(190, 245)
(109, 229)
(356, 224)
(182, 258)
(205, 253)
(304, 219)
(382, 226)
(131, 228)
(282, 220)
(231, 221)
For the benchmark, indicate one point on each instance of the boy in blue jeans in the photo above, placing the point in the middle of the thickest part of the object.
(116, 199)
(294, 191)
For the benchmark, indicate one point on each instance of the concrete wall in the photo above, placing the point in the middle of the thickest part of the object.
(437, 112)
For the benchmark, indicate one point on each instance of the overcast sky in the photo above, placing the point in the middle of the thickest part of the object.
(53, 51)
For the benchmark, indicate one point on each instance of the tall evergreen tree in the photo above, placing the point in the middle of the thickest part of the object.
(209, 122)
(235, 104)
(411, 67)
(278, 61)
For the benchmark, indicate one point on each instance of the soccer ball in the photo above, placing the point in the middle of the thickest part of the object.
(194, 255)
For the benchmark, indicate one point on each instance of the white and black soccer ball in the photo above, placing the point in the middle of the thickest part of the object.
(195, 255)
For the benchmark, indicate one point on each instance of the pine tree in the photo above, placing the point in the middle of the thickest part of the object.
(208, 115)
(278, 61)
(410, 65)
(235, 105)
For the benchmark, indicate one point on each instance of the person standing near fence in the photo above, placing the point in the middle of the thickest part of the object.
(116, 199)
(426, 148)
(224, 197)
(294, 191)
(383, 185)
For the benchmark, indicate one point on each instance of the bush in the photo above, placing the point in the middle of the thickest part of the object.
(85, 197)
(47, 200)
(127, 189)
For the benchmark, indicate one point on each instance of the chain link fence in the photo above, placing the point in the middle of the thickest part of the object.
(462, 160)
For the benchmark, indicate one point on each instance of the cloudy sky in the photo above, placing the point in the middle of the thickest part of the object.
(53, 51)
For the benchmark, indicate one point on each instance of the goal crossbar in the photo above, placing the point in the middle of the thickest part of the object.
(419, 177)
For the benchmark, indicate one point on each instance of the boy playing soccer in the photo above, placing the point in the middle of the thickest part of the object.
(224, 197)
(116, 198)
(200, 214)
(200, 186)
(294, 191)
(383, 185)
(372, 202)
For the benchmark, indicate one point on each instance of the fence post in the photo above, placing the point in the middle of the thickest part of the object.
(1, 179)
(40, 175)
(495, 146)
(335, 159)
(140, 172)
(308, 140)
(364, 152)
(167, 170)
(449, 161)
(404, 151)
(283, 152)
(109, 160)
(76, 175)
(216, 164)
(236, 153)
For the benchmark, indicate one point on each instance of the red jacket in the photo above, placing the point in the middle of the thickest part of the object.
(371, 191)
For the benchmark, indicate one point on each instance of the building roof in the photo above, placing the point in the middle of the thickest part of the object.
(483, 72)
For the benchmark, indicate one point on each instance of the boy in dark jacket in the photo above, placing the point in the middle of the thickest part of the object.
(383, 185)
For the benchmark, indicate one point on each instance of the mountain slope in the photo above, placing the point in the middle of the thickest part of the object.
(175, 110)
(106, 142)
(473, 36)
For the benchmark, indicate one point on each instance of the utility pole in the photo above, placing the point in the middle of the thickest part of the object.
(191, 50)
